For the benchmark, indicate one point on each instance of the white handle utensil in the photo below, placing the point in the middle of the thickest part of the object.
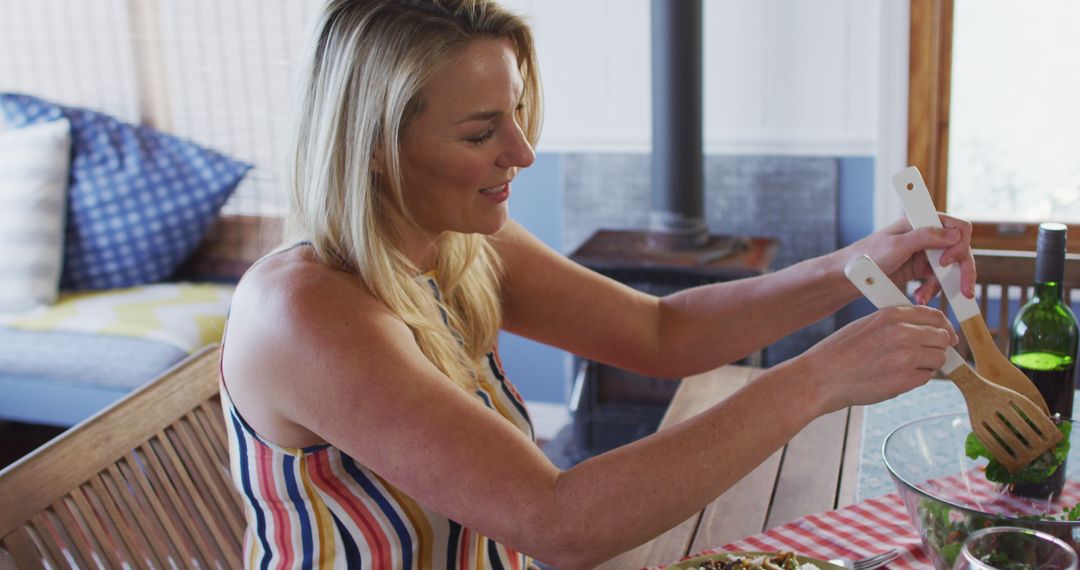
(1013, 428)
(989, 361)
(915, 197)
(882, 292)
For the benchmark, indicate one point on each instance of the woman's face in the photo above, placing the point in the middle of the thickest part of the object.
(460, 152)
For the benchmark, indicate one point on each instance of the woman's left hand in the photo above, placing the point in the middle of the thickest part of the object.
(900, 252)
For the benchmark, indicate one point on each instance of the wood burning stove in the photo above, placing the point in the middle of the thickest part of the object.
(612, 406)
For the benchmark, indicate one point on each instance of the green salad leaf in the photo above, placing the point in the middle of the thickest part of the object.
(951, 551)
(1044, 466)
(944, 529)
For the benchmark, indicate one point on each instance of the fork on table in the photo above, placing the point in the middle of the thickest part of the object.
(869, 563)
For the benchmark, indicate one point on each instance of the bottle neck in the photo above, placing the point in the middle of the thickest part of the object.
(1050, 262)
(1049, 266)
(1048, 291)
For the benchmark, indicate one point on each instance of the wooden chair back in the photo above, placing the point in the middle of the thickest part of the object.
(1010, 273)
(143, 484)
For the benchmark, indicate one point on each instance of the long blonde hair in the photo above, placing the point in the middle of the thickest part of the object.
(369, 62)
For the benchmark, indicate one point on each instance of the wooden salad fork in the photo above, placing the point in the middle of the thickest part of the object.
(990, 363)
(1013, 429)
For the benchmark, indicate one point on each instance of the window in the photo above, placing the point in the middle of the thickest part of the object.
(993, 114)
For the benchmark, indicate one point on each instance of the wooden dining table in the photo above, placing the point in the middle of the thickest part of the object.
(816, 471)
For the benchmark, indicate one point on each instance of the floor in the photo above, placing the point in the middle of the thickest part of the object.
(17, 439)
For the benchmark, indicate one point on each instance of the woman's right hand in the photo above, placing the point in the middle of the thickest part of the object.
(877, 357)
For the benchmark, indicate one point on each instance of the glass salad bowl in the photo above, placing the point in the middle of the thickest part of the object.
(947, 495)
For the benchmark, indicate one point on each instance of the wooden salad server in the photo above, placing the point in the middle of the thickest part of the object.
(1013, 428)
(989, 361)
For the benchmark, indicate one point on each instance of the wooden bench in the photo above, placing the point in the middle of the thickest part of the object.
(144, 483)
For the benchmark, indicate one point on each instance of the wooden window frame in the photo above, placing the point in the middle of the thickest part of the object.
(929, 86)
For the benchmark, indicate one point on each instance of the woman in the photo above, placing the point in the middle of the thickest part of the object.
(371, 422)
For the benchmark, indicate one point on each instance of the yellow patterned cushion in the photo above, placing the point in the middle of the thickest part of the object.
(185, 315)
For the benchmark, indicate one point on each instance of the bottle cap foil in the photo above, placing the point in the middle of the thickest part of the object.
(1050, 245)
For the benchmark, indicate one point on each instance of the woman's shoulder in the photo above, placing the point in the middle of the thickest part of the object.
(294, 317)
(293, 289)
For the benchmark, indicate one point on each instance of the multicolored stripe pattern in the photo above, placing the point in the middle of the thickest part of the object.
(317, 507)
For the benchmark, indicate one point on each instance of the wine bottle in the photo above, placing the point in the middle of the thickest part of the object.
(1043, 342)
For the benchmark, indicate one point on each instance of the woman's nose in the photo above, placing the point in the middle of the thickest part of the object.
(517, 152)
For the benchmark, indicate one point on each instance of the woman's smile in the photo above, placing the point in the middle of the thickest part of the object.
(498, 194)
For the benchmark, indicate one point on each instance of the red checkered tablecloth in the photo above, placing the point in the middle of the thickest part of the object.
(856, 531)
(876, 525)
(972, 490)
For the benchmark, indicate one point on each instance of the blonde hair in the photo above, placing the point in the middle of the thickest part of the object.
(370, 61)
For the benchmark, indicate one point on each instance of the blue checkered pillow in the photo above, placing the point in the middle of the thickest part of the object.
(139, 200)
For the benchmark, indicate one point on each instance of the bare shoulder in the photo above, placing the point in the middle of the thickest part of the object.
(293, 287)
(291, 295)
(289, 313)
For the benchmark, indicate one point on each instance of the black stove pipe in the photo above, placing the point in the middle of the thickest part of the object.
(677, 218)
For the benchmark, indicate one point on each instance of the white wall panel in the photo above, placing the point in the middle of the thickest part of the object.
(864, 52)
(594, 58)
(806, 66)
(735, 66)
(784, 76)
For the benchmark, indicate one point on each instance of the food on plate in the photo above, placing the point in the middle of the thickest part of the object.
(782, 560)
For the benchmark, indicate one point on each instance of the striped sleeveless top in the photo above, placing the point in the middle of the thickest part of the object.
(317, 507)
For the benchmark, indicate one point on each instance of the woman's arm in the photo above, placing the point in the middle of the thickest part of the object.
(315, 355)
(551, 299)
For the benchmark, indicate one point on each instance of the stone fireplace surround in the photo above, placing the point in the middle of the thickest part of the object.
(793, 199)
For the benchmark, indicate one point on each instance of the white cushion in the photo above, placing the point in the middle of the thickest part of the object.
(34, 164)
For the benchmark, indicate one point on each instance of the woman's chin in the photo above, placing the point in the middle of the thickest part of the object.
(493, 225)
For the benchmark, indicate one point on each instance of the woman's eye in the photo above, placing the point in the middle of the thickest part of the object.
(481, 138)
